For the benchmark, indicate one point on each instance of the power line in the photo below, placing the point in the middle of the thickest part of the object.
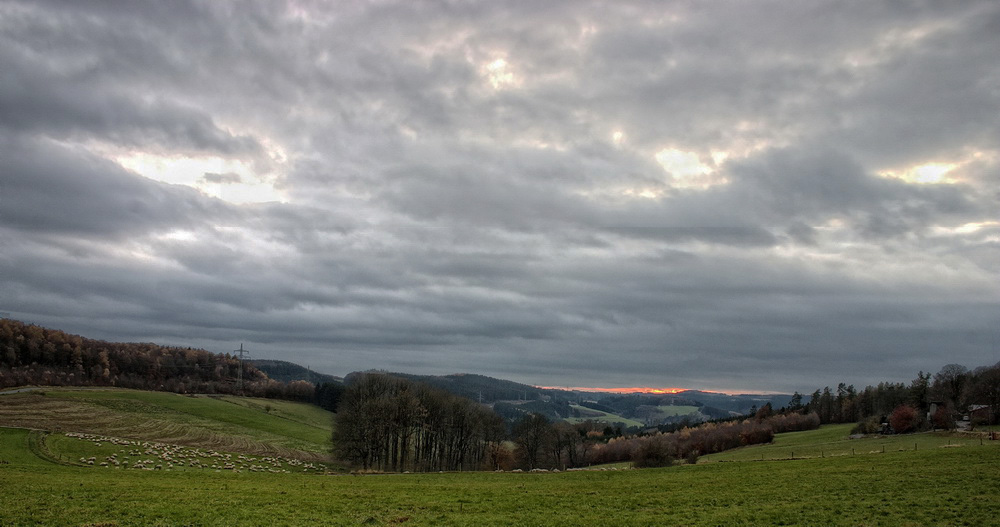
(239, 375)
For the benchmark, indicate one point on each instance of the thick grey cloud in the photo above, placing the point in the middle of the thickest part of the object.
(740, 196)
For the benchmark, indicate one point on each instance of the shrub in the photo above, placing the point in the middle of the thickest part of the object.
(653, 452)
(942, 418)
(904, 419)
(869, 425)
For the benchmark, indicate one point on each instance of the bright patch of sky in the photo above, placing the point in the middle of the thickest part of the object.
(232, 180)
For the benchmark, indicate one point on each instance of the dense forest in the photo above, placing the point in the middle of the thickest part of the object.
(390, 423)
(31, 354)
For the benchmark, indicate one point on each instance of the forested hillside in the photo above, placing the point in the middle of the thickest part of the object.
(31, 354)
(484, 389)
(285, 371)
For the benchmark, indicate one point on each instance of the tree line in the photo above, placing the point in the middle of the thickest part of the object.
(952, 391)
(388, 423)
(663, 449)
(31, 354)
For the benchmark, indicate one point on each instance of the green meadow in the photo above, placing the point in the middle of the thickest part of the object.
(834, 440)
(223, 422)
(675, 410)
(46, 480)
(601, 416)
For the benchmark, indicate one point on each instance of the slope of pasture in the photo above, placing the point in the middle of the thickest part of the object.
(676, 410)
(834, 440)
(317, 421)
(278, 427)
(950, 486)
(589, 414)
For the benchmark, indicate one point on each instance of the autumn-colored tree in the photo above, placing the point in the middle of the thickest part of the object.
(765, 412)
(31, 354)
(656, 451)
(943, 417)
(708, 438)
(904, 419)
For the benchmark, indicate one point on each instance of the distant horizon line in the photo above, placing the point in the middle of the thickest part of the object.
(626, 390)
(634, 389)
(655, 391)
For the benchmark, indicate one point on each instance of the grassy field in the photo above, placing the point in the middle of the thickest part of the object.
(603, 417)
(944, 486)
(833, 441)
(675, 410)
(71, 478)
(232, 424)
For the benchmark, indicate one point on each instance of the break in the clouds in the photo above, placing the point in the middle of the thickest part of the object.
(730, 196)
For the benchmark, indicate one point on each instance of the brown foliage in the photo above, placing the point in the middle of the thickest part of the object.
(943, 418)
(708, 438)
(32, 354)
(656, 451)
(904, 419)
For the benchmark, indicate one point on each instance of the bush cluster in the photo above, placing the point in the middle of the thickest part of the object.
(664, 449)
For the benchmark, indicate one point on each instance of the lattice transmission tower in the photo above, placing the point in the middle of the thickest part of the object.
(239, 374)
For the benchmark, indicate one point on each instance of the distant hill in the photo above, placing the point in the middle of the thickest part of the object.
(741, 403)
(659, 408)
(513, 400)
(484, 389)
(284, 371)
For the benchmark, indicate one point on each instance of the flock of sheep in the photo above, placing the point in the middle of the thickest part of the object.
(146, 455)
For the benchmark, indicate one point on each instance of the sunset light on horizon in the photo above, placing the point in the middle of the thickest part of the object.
(633, 389)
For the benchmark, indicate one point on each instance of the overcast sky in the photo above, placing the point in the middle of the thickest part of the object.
(735, 196)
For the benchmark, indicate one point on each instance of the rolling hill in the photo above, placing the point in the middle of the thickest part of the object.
(284, 371)
(233, 424)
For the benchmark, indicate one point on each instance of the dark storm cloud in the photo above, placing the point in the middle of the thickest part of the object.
(475, 187)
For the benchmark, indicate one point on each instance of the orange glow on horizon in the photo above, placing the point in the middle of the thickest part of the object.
(635, 389)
